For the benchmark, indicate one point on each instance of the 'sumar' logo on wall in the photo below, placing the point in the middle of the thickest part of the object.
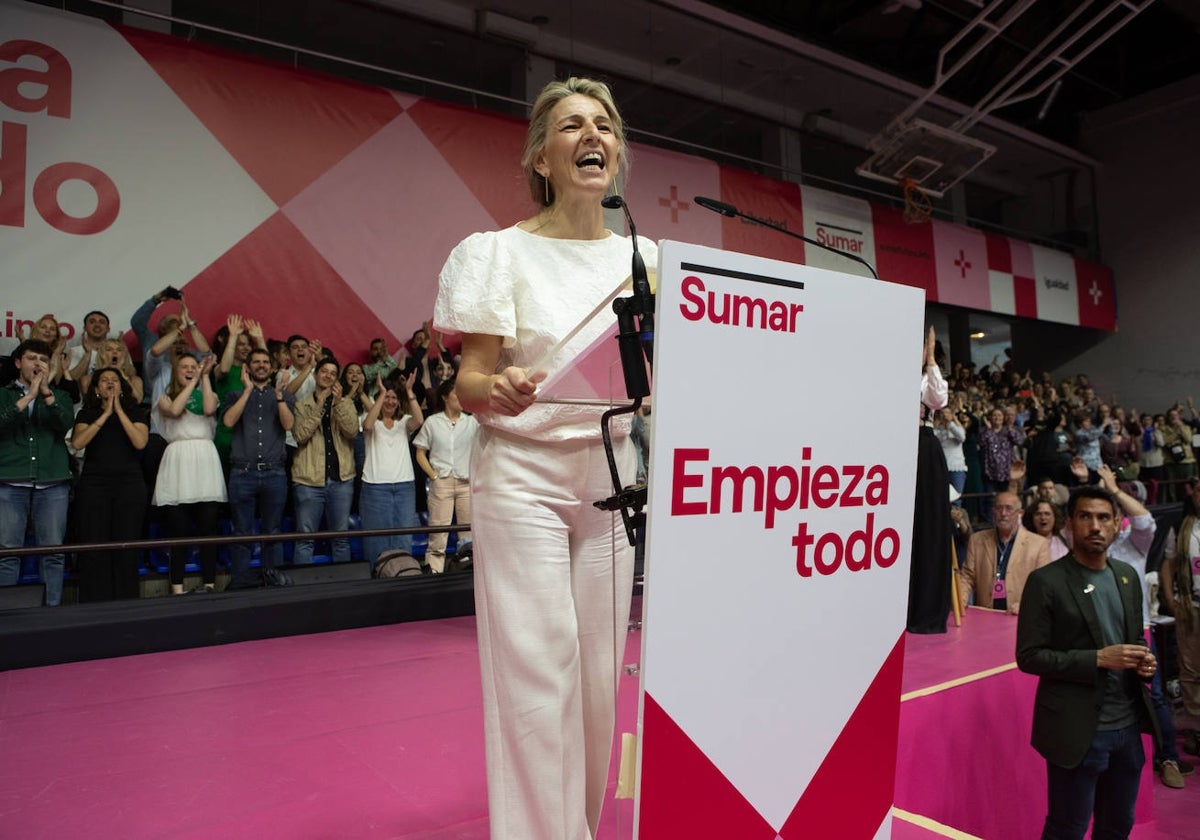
(843, 239)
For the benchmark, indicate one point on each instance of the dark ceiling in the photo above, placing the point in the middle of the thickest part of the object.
(721, 77)
(1156, 47)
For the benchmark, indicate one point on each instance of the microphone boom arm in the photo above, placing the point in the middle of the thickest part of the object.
(726, 209)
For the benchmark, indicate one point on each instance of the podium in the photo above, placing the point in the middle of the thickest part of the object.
(781, 478)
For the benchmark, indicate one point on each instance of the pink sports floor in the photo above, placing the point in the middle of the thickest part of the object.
(371, 733)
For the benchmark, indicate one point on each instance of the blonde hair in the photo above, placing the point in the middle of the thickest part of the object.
(540, 189)
(174, 389)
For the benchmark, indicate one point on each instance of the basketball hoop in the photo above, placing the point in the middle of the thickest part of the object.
(917, 206)
(932, 157)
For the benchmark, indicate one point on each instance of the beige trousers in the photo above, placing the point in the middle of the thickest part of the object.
(1188, 643)
(447, 497)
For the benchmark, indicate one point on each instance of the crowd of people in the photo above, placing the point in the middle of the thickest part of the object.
(94, 446)
(1003, 429)
(1021, 450)
(245, 423)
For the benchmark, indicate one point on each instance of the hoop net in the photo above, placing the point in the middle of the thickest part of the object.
(917, 206)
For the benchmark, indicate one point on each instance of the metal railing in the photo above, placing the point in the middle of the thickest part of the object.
(231, 539)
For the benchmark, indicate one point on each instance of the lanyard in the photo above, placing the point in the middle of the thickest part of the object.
(1002, 554)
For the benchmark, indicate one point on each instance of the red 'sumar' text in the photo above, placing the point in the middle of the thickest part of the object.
(736, 310)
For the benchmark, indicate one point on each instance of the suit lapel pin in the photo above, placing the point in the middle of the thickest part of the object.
(1087, 590)
(1124, 580)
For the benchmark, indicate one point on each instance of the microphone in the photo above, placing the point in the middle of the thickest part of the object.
(640, 305)
(613, 202)
(717, 206)
(729, 210)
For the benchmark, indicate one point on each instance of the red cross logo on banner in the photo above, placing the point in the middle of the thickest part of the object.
(962, 263)
(673, 204)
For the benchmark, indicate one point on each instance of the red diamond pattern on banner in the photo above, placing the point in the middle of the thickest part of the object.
(842, 800)
(485, 151)
(904, 250)
(1097, 306)
(1024, 286)
(285, 127)
(774, 201)
(999, 257)
(683, 795)
(250, 279)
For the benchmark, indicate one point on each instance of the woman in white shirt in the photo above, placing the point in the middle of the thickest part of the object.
(388, 498)
(553, 575)
(191, 483)
(951, 435)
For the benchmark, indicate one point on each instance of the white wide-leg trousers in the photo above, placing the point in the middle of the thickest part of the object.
(553, 577)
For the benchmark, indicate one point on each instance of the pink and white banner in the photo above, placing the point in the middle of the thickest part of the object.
(778, 548)
(131, 160)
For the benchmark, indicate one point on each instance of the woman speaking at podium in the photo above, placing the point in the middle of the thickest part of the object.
(553, 575)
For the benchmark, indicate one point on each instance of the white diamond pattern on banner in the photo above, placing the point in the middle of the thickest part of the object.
(1003, 296)
(1057, 299)
(778, 545)
(417, 198)
(841, 222)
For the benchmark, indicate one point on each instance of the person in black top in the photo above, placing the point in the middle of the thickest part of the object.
(110, 499)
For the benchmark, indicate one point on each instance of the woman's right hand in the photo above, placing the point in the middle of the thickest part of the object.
(513, 390)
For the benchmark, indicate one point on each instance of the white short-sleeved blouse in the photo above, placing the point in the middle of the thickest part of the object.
(532, 291)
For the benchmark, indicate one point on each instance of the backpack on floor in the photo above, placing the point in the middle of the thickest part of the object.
(396, 562)
(462, 559)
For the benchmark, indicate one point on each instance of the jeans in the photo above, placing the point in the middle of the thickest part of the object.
(333, 500)
(1104, 785)
(48, 507)
(1166, 750)
(387, 506)
(263, 492)
(958, 480)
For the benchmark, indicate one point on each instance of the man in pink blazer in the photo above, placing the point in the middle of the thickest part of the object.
(999, 560)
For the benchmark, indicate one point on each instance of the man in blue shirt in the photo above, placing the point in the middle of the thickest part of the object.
(260, 415)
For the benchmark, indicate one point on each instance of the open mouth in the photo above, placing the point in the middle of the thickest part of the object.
(592, 160)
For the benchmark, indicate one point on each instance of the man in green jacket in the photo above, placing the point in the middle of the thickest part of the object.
(34, 467)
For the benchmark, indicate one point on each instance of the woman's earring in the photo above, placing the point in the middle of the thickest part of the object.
(546, 187)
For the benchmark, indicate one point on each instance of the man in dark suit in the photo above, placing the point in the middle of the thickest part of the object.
(1080, 631)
